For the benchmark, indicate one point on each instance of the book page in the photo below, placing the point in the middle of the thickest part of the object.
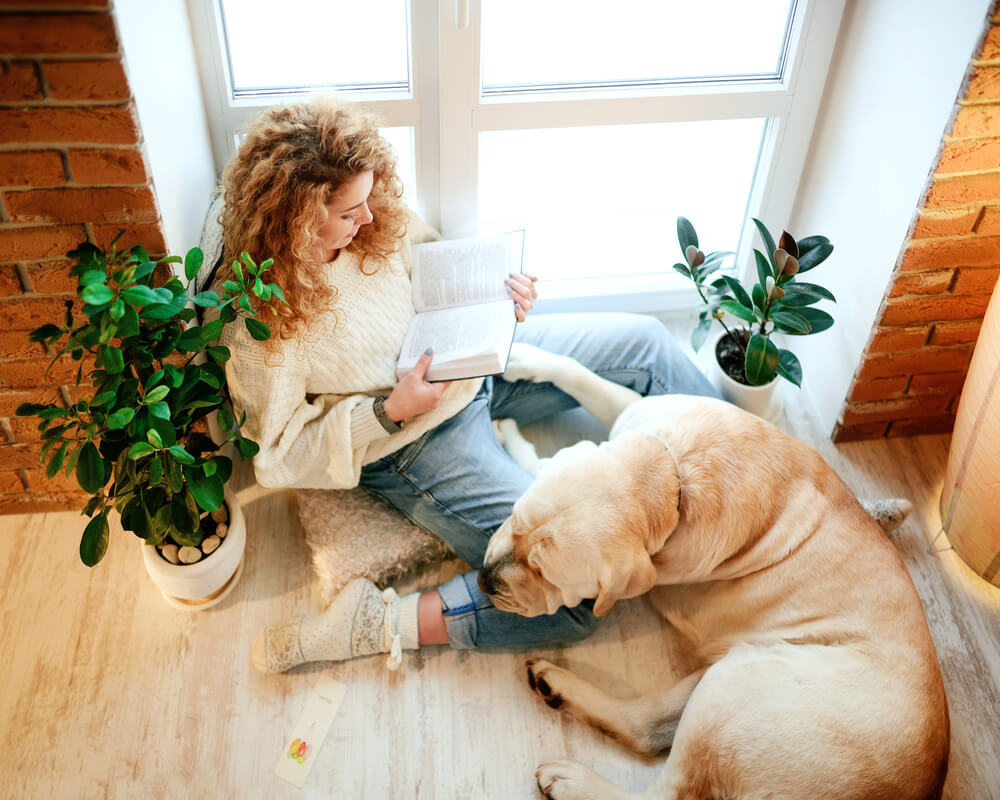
(478, 335)
(464, 271)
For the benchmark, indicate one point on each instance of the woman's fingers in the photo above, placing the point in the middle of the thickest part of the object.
(525, 284)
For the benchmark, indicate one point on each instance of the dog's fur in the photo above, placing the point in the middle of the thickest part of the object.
(820, 677)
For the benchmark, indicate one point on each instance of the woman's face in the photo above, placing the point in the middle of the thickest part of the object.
(346, 212)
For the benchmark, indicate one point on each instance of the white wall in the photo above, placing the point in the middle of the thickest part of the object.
(896, 74)
(162, 72)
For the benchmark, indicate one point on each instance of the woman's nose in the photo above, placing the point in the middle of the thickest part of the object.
(366, 216)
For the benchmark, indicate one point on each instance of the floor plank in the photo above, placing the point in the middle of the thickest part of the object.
(109, 692)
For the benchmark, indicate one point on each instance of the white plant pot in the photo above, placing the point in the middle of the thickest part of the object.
(201, 585)
(759, 400)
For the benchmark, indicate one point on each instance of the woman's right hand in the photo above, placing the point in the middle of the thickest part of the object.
(413, 395)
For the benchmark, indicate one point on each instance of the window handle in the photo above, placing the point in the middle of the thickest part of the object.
(461, 14)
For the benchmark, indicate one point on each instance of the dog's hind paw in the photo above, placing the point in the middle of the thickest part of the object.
(889, 512)
(567, 780)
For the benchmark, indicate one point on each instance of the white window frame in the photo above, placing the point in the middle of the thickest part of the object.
(447, 111)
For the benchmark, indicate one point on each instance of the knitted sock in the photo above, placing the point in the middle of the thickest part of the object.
(361, 620)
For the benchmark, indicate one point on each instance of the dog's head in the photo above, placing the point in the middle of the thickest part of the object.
(586, 528)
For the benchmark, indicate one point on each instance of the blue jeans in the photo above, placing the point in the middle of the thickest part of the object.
(459, 483)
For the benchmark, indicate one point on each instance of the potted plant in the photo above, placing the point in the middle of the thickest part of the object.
(138, 443)
(748, 359)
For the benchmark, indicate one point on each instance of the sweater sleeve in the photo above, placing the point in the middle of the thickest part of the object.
(306, 442)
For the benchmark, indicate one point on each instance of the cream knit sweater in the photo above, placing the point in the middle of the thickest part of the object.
(310, 405)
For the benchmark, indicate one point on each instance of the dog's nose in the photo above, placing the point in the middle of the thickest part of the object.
(485, 581)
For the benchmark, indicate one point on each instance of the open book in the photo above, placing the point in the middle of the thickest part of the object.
(463, 310)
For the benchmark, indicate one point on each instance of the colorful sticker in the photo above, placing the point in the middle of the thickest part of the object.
(298, 751)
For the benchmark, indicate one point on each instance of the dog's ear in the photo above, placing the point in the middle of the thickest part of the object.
(623, 575)
(655, 489)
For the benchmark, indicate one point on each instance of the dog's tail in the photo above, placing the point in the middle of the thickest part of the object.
(889, 512)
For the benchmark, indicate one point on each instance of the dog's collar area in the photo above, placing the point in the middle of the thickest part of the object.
(666, 449)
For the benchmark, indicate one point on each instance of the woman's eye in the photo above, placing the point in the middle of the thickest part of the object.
(350, 217)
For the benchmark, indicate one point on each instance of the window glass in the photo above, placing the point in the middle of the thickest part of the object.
(603, 201)
(296, 45)
(567, 43)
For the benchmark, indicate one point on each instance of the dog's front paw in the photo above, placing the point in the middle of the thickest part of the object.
(529, 363)
(549, 681)
(567, 780)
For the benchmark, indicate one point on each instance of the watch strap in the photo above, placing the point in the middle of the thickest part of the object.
(378, 406)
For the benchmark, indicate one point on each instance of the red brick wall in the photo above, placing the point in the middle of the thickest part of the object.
(71, 168)
(912, 372)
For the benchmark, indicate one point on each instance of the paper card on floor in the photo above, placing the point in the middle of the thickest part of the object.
(309, 732)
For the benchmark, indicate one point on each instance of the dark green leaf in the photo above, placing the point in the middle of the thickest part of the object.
(225, 419)
(248, 447)
(181, 516)
(94, 543)
(160, 410)
(819, 320)
(814, 257)
(225, 467)
(683, 270)
(44, 333)
(738, 310)
(29, 409)
(210, 468)
(56, 462)
(97, 294)
(258, 330)
(686, 234)
(155, 470)
(74, 456)
(791, 322)
(219, 353)
(193, 261)
(764, 270)
(738, 291)
(765, 235)
(232, 286)
(812, 288)
(789, 367)
(112, 360)
(145, 268)
(759, 298)
(92, 276)
(762, 360)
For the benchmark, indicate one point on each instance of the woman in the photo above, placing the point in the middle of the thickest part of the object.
(314, 186)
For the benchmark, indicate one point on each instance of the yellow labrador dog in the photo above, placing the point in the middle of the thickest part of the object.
(820, 677)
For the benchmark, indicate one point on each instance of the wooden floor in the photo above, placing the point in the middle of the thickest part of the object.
(109, 692)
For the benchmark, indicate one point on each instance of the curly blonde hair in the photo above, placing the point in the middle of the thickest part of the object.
(292, 162)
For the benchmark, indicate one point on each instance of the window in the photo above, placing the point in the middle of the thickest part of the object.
(591, 127)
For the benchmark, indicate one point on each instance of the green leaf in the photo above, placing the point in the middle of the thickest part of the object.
(765, 234)
(56, 462)
(193, 261)
(112, 360)
(181, 454)
(44, 333)
(208, 490)
(258, 287)
(153, 437)
(180, 514)
(92, 276)
(759, 298)
(819, 320)
(210, 468)
(140, 295)
(762, 360)
(789, 367)
(74, 456)
(791, 322)
(232, 286)
(258, 330)
(148, 266)
(155, 470)
(118, 309)
(224, 417)
(764, 270)
(738, 310)
(29, 409)
(738, 291)
(244, 303)
(700, 333)
(275, 289)
(140, 449)
(206, 299)
(225, 467)
(121, 418)
(94, 543)
(159, 410)
(683, 270)
(814, 256)
(248, 447)
(686, 234)
(812, 288)
(219, 353)
(97, 294)
(156, 394)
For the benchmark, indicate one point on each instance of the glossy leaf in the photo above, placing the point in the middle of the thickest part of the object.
(248, 447)
(182, 455)
(700, 333)
(157, 393)
(258, 330)
(193, 261)
(737, 310)
(206, 299)
(768, 240)
(762, 359)
(140, 449)
(818, 319)
(789, 367)
(686, 235)
(791, 322)
(208, 490)
(814, 256)
(120, 418)
(94, 543)
(96, 294)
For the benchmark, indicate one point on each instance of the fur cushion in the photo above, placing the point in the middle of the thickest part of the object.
(354, 534)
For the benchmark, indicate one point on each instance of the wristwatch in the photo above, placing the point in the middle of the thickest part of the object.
(378, 406)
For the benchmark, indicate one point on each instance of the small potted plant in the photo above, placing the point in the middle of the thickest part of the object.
(748, 359)
(138, 444)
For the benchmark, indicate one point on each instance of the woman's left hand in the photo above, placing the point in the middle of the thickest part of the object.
(521, 288)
